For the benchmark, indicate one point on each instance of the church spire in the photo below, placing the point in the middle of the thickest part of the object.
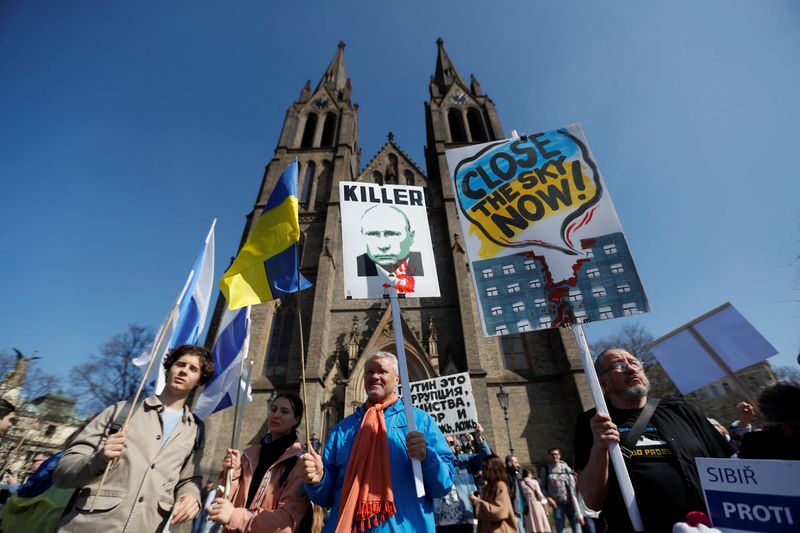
(446, 73)
(335, 76)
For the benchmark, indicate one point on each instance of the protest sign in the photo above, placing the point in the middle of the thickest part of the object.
(751, 495)
(386, 241)
(710, 347)
(544, 241)
(449, 400)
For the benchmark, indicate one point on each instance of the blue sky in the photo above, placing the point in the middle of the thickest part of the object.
(125, 128)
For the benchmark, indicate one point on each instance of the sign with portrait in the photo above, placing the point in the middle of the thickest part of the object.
(386, 241)
(449, 400)
(545, 245)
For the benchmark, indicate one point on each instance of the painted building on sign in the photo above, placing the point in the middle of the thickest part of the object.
(540, 370)
(606, 286)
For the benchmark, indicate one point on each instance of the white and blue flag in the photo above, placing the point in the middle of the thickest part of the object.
(186, 326)
(230, 349)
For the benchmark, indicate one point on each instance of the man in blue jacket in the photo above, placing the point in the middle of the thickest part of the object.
(378, 484)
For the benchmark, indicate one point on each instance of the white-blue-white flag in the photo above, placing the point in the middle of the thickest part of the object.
(230, 349)
(187, 325)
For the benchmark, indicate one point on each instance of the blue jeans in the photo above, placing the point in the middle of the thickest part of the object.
(590, 524)
(565, 509)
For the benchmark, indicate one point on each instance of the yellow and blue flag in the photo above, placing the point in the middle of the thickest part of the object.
(266, 267)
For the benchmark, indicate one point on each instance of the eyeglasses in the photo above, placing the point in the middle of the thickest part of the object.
(622, 366)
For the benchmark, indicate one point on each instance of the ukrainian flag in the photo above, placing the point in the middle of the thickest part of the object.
(266, 267)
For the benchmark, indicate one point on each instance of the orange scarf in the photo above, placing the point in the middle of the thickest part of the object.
(367, 498)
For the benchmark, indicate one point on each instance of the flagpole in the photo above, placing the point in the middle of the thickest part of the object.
(156, 349)
(235, 432)
(211, 230)
(237, 424)
(300, 326)
(241, 412)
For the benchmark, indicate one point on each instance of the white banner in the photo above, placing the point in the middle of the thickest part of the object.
(449, 400)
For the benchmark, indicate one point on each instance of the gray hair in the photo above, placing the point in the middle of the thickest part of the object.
(380, 354)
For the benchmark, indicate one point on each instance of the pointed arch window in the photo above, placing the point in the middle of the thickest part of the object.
(475, 122)
(328, 129)
(322, 195)
(309, 131)
(516, 352)
(392, 170)
(409, 177)
(308, 179)
(280, 339)
(456, 123)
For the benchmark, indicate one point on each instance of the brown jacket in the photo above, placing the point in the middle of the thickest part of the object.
(140, 490)
(274, 508)
(496, 515)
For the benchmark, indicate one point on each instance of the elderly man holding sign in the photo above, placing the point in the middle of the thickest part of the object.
(365, 473)
(660, 441)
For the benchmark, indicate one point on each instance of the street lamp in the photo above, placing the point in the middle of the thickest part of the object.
(502, 397)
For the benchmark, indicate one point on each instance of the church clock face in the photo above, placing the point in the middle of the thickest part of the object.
(458, 98)
(321, 103)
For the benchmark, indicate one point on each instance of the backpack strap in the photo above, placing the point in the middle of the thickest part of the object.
(119, 419)
(630, 440)
(200, 434)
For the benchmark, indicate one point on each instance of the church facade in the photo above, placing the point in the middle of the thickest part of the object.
(539, 370)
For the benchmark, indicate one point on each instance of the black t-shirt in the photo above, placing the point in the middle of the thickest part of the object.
(660, 487)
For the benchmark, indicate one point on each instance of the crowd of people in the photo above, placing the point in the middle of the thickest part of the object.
(137, 468)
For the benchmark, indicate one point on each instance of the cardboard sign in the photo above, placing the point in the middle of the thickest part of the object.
(449, 400)
(746, 495)
(544, 241)
(692, 354)
(386, 241)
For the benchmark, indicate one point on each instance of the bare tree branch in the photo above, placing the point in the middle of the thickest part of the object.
(633, 338)
(787, 372)
(111, 376)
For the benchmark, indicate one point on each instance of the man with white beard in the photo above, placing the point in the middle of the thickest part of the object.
(660, 440)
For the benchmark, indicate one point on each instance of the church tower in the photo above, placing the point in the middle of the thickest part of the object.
(320, 130)
(539, 370)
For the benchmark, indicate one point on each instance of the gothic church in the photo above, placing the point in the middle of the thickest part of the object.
(539, 370)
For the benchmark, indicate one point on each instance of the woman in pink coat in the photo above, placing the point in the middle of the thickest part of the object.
(536, 518)
(267, 490)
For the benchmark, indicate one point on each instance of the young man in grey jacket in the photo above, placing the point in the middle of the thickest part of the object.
(155, 459)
